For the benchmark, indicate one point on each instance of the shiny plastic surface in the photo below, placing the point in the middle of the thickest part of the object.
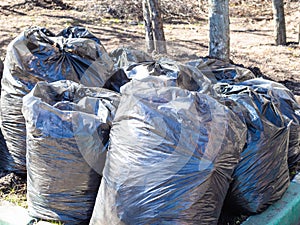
(285, 101)
(181, 75)
(124, 57)
(3, 148)
(171, 157)
(262, 176)
(68, 129)
(220, 71)
(133, 64)
(39, 55)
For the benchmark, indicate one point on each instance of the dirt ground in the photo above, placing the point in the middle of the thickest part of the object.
(186, 30)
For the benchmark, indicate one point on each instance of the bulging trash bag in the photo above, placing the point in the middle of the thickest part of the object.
(39, 55)
(124, 57)
(220, 71)
(68, 129)
(184, 76)
(262, 176)
(285, 101)
(171, 156)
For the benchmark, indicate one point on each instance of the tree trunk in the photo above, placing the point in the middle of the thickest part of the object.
(219, 37)
(299, 33)
(157, 27)
(148, 27)
(279, 20)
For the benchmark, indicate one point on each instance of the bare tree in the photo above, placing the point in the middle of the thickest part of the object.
(219, 37)
(279, 20)
(148, 27)
(155, 37)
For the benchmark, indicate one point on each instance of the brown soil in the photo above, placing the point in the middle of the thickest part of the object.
(10, 182)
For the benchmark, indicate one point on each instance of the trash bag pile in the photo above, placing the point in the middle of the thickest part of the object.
(123, 138)
(39, 55)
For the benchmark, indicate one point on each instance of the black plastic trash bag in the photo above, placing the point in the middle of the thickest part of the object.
(124, 57)
(262, 176)
(171, 156)
(3, 147)
(68, 129)
(220, 71)
(78, 32)
(285, 101)
(39, 55)
(5, 158)
(184, 76)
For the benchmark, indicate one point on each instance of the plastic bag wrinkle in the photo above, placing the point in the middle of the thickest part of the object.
(66, 141)
(261, 177)
(171, 157)
(36, 55)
